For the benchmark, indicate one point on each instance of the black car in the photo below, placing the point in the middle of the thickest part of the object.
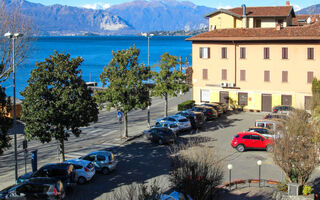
(196, 119)
(208, 112)
(282, 109)
(215, 106)
(36, 189)
(60, 171)
(160, 135)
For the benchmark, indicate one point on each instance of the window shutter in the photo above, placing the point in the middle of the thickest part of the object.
(266, 53)
(224, 74)
(310, 77)
(205, 74)
(284, 53)
(242, 75)
(208, 52)
(242, 52)
(201, 52)
(266, 76)
(224, 52)
(310, 53)
(284, 76)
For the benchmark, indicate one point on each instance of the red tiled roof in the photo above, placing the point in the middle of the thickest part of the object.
(307, 32)
(274, 11)
(301, 18)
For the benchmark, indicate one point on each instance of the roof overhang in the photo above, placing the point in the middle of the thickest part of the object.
(222, 11)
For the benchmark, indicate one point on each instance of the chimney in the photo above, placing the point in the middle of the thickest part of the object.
(244, 16)
(287, 3)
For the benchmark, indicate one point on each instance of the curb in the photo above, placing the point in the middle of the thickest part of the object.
(132, 138)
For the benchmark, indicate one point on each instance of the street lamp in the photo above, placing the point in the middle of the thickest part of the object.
(148, 36)
(13, 37)
(259, 163)
(230, 169)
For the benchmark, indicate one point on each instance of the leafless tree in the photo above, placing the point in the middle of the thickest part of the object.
(296, 151)
(11, 20)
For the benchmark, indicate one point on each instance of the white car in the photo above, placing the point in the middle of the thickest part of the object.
(84, 170)
(182, 122)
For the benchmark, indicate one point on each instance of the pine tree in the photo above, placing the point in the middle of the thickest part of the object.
(5, 121)
(125, 79)
(57, 101)
(169, 81)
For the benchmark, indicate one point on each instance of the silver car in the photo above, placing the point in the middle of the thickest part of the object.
(182, 122)
(103, 161)
(170, 125)
(84, 170)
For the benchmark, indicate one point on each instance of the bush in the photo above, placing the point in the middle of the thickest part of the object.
(306, 190)
(196, 171)
(186, 105)
(283, 186)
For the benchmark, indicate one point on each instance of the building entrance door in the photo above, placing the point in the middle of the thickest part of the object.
(266, 103)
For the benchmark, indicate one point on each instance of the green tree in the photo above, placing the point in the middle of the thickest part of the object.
(125, 80)
(5, 121)
(169, 81)
(57, 101)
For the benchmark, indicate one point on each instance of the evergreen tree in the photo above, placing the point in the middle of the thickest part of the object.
(57, 101)
(5, 121)
(125, 80)
(169, 81)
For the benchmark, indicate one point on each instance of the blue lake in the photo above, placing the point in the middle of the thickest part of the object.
(97, 53)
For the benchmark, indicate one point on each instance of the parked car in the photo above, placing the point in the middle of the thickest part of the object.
(208, 112)
(276, 116)
(269, 124)
(217, 107)
(40, 188)
(170, 125)
(182, 122)
(251, 140)
(160, 135)
(197, 119)
(223, 105)
(263, 131)
(84, 170)
(103, 161)
(282, 109)
(61, 171)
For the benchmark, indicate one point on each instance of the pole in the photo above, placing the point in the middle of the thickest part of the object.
(14, 111)
(259, 175)
(230, 179)
(149, 85)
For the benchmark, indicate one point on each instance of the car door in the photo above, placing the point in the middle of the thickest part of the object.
(256, 142)
(22, 192)
(100, 161)
(246, 140)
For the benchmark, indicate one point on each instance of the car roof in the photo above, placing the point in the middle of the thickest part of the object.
(46, 180)
(255, 127)
(178, 117)
(58, 165)
(99, 152)
(249, 133)
(78, 162)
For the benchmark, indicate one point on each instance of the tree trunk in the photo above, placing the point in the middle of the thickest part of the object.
(125, 125)
(61, 151)
(166, 105)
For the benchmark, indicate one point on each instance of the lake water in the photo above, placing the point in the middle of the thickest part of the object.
(97, 53)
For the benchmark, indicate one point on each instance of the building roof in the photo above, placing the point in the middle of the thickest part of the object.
(272, 11)
(307, 32)
(301, 20)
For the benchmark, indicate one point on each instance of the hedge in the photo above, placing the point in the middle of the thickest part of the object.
(186, 105)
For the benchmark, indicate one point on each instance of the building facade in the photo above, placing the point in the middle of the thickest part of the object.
(257, 68)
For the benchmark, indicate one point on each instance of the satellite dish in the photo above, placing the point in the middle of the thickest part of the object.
(309, 19)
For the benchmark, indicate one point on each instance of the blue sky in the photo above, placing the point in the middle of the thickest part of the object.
(298, 4)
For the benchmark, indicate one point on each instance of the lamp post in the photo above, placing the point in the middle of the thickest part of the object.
(148, 36)
(259, 163)
(230, 169)
(13, 37)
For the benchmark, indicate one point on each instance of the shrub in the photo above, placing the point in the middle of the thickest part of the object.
(196, 171)
(283, 186)
(186, 105)
(306, 190)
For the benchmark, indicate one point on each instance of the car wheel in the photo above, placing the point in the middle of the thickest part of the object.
(105, 171)
(82, 180)
(269, 148)
(240, 148)
(160, 141)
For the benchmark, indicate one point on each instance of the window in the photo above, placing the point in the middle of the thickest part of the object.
(242, 52)
(101, 158)
(246, 137)
(310, 77)
(243, 99)
(224, 74)
(266, 76)
(205, 74)
(266, 53)
(242, 75)
(284, 53)
(284, 76)
(204, 52)
(310, 53)
(224, 52)
(90, 158)
(255, 137)
(258, 23)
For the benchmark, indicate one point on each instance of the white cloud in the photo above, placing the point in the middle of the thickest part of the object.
(224, 7)
(96, 6)
(297, 7)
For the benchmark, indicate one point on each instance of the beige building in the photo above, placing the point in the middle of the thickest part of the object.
(257, 68)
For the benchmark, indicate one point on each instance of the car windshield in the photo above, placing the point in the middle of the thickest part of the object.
(183, 120)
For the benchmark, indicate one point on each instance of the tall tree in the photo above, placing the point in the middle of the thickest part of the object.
(125, 79)
(5, 121)
(169, 81)
(57, 101)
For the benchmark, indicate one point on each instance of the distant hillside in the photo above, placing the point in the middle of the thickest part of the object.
(59, 20)
(315, 9)
(162, 15)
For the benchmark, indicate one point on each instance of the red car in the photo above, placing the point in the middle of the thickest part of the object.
(251, 140)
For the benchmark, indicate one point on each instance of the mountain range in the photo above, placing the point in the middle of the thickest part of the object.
(127, 18)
